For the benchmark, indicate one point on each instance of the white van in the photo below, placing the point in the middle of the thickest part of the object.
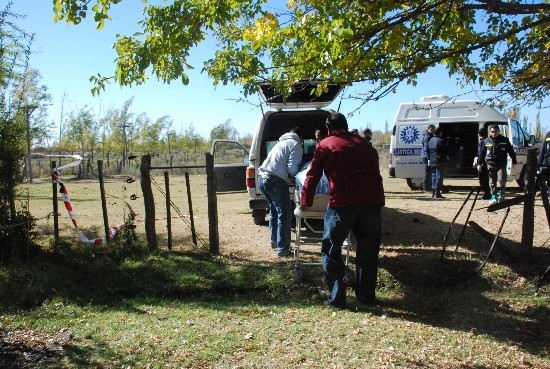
(301, 109)
(460, 121)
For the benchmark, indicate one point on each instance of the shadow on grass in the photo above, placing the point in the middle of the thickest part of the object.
(101, 280)
(453, 295)
(420, 286)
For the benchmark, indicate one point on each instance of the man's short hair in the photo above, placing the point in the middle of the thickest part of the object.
(367, 131)
(299, 131)
(495, 127)
(437, 131)
(431, 126)
(337, 121)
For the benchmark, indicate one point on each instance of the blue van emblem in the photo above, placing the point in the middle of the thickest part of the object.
(409, 134)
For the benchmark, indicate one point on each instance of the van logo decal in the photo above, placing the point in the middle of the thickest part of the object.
(409, 134)
(406, 152)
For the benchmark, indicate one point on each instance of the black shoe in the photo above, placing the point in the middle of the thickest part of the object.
(438, 196)
(485, 197)
(333, 306)
(286, 253)
(362, 303)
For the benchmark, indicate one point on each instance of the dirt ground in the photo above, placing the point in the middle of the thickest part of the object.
(410, 219)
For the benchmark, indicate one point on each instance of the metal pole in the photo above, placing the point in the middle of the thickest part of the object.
(55, 208)
(190, 202)
(212, 205)
(168, 209)
(125, 147)
(103, 201)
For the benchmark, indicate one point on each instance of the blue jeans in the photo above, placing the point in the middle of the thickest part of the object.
(427, 182)
(437, 177)
(277, 195)
(366, 223)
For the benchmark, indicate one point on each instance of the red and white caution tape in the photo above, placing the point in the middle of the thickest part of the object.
(56, 173)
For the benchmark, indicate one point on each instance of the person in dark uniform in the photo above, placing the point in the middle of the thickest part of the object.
(482, 172)
(495, 154)
(427, 182)
(437, 158)
(544, 163)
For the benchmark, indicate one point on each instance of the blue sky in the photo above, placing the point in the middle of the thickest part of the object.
(67, 56)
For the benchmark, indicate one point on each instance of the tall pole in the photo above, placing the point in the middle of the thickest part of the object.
(28, 111)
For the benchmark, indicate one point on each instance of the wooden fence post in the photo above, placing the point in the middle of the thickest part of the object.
(190, 202)
(103, 201)
(55, 209)
(168, 212)
(212, 205)
(528, 226)
(149, 202)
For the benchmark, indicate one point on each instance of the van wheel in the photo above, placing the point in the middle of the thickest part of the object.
(414, 183)
(258, 216)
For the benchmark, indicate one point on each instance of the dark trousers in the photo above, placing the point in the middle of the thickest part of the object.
(438, 171)
(483, 176)
(366, 223)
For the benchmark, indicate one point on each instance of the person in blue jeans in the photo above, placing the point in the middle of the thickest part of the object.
(356, 198)
(437, 155)
(282, 163)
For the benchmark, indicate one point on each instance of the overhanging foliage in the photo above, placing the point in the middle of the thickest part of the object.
(501, 45)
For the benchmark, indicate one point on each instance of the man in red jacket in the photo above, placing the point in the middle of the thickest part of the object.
(356, 198)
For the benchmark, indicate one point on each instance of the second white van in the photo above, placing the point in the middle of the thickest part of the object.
(460, 121)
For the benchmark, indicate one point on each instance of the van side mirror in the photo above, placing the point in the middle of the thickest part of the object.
(531, 141)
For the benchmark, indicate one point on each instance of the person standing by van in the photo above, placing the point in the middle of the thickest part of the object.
(495, 154)
(482, 172)
(282, 163)
(367, 135)
(356, 198)
(427, 182)
(437, 156)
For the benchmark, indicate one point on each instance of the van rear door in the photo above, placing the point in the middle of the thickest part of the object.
(230, 163)
(301, 97)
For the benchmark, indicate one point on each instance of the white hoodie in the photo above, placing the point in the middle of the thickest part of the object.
(284, 158)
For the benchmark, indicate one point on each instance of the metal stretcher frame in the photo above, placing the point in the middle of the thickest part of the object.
(316, 211)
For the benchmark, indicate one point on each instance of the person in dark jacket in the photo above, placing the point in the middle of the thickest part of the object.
(437, 157)
(495, 154)
(482, 172)
(356, 198)
(427, 182)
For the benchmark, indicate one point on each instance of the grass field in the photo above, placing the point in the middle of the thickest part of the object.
(123, 307)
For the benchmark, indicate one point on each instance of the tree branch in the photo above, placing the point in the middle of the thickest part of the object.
(501, 7)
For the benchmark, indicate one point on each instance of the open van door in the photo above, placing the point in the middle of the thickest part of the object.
(230, 163)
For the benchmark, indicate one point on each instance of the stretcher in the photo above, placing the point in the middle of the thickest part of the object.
(309, 234)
